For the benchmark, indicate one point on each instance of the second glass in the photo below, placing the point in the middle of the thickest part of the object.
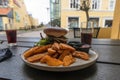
(11, 37)
(86, 34)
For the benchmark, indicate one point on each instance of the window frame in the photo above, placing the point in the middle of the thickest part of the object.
(107, 18)
(73, 17)
(98, 21)
(56, 1)
(4, 3)
(109, 8)
(98, 7)
(1, 23)
(77, 3)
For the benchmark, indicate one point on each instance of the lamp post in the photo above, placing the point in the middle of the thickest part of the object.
(48, 16)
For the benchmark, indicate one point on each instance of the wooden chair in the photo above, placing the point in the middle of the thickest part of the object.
(105, 33)
(96, 32)
(76, 32)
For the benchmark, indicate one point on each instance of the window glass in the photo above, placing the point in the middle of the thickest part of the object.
(95, 4)
(74, 3)
(57, 1)
(73, 22)
(4, 2)
(112, 4)
(0, 2)
(95, 21)
(1, 23)
(108, 23)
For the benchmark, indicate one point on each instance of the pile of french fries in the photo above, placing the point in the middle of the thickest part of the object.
(55, 54)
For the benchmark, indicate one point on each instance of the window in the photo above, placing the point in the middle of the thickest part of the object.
(17, 17)
(95, 22)
(95, 4)
(0, 2)
(112, 4)
(4, 2)
(73, 22)
(55, 1)
(74, 3)
(108, 23)
(1, 23)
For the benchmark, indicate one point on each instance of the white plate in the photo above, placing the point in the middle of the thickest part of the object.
(79, 64)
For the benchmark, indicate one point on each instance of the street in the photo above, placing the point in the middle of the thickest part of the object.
(35, 33)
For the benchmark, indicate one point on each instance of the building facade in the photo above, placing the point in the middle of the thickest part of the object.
(100, 13)
(115, 33)
(34, 22)
(55, 12)
(13, 15)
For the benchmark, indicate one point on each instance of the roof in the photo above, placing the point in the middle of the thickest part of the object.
(4, 11)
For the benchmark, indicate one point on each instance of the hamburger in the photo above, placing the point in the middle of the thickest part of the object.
(56, 34)
(53, 34)
(55, 31)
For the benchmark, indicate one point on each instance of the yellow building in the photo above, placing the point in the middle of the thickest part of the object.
(115, 34)
(15, 15)
(34, 22)
(100, 13)
(5, 17)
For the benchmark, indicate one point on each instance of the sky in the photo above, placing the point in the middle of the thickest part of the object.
(39, 9)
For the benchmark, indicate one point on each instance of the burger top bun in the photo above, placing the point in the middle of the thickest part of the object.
(55, 31)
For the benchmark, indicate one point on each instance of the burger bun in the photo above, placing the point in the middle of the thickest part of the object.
(55, 31)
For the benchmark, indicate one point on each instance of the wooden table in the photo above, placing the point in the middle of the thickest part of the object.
(107, 66)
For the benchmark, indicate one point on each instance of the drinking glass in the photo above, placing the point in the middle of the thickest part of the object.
(86, 34)
(11, 37)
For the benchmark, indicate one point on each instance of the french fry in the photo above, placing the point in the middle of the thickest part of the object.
(52, 61)
(65, 46)
(60, 51)
(65, 52)
(81, 55)
(35, 58)
(42, 49)
(68, 60)
(43, 59)
(55, 46)
(55, 54)
(51, 51)
(30, 52)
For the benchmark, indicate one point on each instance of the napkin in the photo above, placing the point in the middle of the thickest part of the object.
(5, 54)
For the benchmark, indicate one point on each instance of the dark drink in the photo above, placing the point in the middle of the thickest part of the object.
(11, 36)
(86, 38)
